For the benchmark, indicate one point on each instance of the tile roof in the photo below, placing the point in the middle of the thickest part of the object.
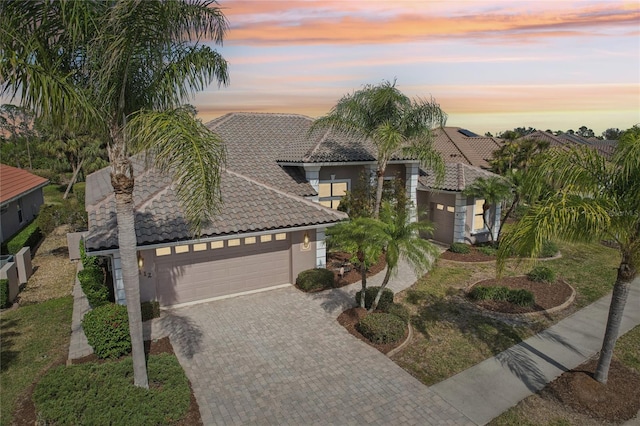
(606, 148)
(14, 182)
(456, 147)
(248, 206)
(458, 176)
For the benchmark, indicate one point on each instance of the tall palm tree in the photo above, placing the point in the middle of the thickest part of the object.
(593, 200)
(364, 239)
(493, 190)
(124, 68)
(403, 241)
(396, 124)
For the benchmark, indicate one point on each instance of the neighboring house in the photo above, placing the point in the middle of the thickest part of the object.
(606, 148)
(457, 218)
(280, 189)
(457, 145)
(20, 199)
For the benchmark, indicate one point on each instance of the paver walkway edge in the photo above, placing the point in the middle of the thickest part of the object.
(489, 388)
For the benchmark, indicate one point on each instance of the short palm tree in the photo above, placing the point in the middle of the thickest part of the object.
(593, 200)
(123, 68)
(493, 190)
(395, 124)
(364, 239)
(403, 241)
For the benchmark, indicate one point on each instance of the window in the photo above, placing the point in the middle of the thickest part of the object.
(265, 238)
(451, 209)
(234, 242)
(182, 249)
(440, 206)
(250, 240)
(164, 251)
(331, 191)
(478, 215)
(217, 244)
(200, 247)
(281, 237)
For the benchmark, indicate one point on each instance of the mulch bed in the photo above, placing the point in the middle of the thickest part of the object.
(350, 318)
(617, 401)
(473, 256)
(336, 259)
(546, 295)
(26, 415)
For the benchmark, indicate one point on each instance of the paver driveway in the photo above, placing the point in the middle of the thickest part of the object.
(279, 358)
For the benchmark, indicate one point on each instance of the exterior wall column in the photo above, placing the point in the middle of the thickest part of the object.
(118, 282)
(412, 188)
(371, 170)
(312, 174)
(460, 219)
(496, 223)
(321, 249)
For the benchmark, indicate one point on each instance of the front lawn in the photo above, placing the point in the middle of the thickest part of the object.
(33, 338)
(450, 336)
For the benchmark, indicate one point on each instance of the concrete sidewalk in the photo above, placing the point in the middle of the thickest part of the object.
(489, 388)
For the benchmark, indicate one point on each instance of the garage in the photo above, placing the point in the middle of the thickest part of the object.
(204, 271)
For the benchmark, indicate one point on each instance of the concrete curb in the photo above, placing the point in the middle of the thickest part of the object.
(394, 351)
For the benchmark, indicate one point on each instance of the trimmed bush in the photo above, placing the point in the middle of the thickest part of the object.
(487, 250)
(400, 311)
(521, 297)
(150, 310)
(4, 294)
(542, 274)
(382, 328)
(107, 330)
(460, 248)
(92, 283)
(87, 261)
(314, 279)
(386, 298)
(549, 249)
(502, 294)
(28, 237)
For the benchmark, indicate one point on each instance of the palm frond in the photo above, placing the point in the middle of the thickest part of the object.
(191, 153)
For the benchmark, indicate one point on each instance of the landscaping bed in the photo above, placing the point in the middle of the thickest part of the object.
(474, 255)
(546, 295)
(337, 259)
(350, 318)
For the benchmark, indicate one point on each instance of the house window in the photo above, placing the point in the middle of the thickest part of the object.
(182, 249)
(265, 238)
(20, 218)
(440, 206)
(478, 215)
(234, 243)
(281, 237)
(250, 240)
(331, 191)
(164, 251)
(217, 244)
(451, 209)
(200, 247)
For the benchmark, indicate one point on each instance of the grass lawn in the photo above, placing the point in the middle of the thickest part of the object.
(451, 336)
(53, 193)
(33, 338)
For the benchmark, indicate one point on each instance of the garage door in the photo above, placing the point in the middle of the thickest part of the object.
(199, 275)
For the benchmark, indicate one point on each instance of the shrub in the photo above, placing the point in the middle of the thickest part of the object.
(502, 294)
(314, 279)
(28, 237)
(87, 261)
(382, 328)
(4, 294)
(400, 311)
(521, 297)
(150, 310)
(79, 191)
(107, 330)
(68, 212)
(386, 298)
(92, 283)
(542, 274)
(549, 249)
(461, 248)
(48, 218)
(487, 250)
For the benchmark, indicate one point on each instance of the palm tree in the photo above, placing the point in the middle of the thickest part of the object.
(364, 239)
(124, 68)
(403, 241)
(593, 200)
(493, 190)
(394, 123)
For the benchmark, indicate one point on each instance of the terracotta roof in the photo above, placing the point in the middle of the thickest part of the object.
(14, 182)
(248, 206)
(457, 147)
(458, 177)
(606, 148)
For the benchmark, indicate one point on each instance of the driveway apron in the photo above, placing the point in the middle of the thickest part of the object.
(279, 357)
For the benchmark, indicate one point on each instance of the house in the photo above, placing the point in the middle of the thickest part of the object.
(606, 148)
(20, 199)
(281, 187)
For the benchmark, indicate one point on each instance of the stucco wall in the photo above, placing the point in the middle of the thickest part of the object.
(9, 222)
(442, 219)
(302, 258)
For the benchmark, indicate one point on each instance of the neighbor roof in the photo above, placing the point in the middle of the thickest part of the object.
(16, 182)
(606, 148)
(458, 177)
(456, 146)
(248, 206)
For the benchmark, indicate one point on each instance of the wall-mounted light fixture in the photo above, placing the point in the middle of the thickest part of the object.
(140, 261)
(306, 241)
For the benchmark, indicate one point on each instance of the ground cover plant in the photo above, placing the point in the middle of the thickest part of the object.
(33, 338)
(450, 335)
(103, 393)
(315, 279)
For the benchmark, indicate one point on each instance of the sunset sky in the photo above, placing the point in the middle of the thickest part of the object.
(492, 65)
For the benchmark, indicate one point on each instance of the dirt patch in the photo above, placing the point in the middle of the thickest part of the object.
(352, 273)
(350, 318)
(25, 414)
(473, 256)
(546, 295)
(617, 401)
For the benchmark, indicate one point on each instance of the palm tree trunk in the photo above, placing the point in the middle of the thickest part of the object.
(506, 216)
(626, 273)
(486, 211)
(73, 180)
(123, 183)
(363, 275)
(379, 189)
(385, 281)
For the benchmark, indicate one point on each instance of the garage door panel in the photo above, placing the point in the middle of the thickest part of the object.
(190, 277)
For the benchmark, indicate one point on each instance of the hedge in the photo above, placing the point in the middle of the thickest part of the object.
(386, 299)
(92, 283)
(28, 237)
(503, 294)
(461, 248)
(314, 279)
(4, 294)
(382, 328)
(150, 310)
(107, 330)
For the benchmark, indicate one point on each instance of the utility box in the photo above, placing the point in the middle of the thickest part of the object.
(10, 272)
(23, 262)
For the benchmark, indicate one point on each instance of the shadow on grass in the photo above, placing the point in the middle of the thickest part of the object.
(8, 356)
